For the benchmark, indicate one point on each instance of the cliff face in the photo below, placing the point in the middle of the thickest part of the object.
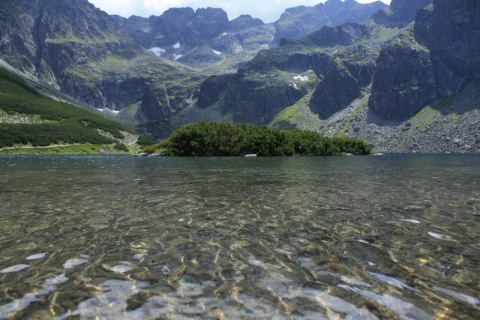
(451, 32)
(434, 59)
(184, 26)
(404, 80)
(299, 22)
(86, 54)
(51, 36)
(382, 82)
(400, 12)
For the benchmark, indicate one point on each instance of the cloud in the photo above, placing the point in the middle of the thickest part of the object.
(268, 11)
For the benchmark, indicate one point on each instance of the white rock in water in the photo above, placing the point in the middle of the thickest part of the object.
(411, 221)
(36, 256)
(71, 263)
(437, 235)
(121, 268)
(55, 280)
(16, 268)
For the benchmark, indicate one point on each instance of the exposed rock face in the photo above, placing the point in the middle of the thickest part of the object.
(451, 31)
(86, 54)
(172, 24)
(154, 105)
(343, 81)
(205, 39)
(244, 99)
(301, 21)
(198, 38)
(404, 80)
(50, 36)
(184, 26)
(229, 43)
(329, 36)
(208, 23)
(243, 22)
(410, 75)
(401, 12)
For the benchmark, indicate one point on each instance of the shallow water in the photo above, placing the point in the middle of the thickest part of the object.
(375, 237)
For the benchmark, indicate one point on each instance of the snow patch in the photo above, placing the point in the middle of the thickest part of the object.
(177, 56)
(224, 34)
(301, 78)
(157, 51)
(107, 110)
(176, 45)
(217, 52)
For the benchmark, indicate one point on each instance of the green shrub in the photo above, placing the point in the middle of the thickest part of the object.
(121, 147)
(223, 139)
(145, 141)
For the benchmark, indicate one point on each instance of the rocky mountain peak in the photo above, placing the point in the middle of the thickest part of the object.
(301, 21)
(244, 22)
(400, 12)
(207, 24)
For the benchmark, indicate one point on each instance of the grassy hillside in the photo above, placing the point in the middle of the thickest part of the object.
(29, 119)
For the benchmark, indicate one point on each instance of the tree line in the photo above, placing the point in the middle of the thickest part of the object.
(224, 139)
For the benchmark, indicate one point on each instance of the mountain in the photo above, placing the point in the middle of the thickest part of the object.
(206, 37)
(300, 21)
(86, 54)
(400, 13)
(143, 71)
(404, 80)
(388, 81)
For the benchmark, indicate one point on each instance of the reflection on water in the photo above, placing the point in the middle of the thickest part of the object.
(394, 236)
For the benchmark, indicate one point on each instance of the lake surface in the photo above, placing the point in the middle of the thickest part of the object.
(376, 237)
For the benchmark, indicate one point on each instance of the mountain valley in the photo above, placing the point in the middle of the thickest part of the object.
(403, 78)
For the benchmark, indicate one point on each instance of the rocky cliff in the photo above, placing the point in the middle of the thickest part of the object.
(46, 38)
(206, 40)
(451, 32)
(301, 21)
(85, 53)
(400, 12)
(180, 28)
(385, 81)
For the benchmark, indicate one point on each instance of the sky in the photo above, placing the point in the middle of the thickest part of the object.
(267, 10)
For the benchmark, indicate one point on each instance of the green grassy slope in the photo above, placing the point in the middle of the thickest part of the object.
(28, 118)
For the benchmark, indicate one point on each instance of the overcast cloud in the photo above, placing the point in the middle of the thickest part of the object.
(267, 10)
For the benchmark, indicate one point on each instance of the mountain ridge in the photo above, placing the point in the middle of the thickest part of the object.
(161, 72)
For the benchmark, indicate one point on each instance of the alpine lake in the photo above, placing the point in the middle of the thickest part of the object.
(123, 237)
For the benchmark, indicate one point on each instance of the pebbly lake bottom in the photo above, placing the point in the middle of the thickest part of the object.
(109, 237)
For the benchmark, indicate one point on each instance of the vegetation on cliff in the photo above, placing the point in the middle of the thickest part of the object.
(224, 139)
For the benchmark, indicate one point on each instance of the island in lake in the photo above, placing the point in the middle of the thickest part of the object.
(224, 139)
